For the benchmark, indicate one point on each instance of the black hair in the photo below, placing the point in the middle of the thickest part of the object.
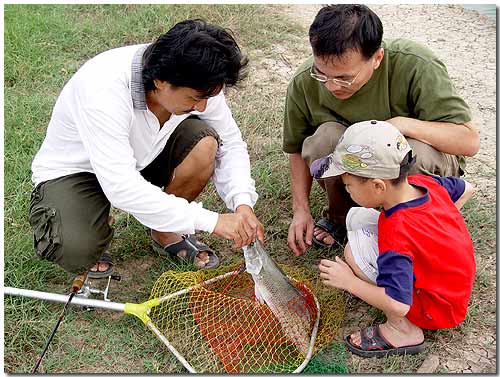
(405, 166)
(196, 55)
(339, 28)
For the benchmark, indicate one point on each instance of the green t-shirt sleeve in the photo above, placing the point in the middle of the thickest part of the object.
(434, 96)
(295, 120)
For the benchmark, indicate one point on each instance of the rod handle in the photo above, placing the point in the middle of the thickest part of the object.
(78, 282)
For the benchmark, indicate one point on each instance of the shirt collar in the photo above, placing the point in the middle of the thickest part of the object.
(136, 84)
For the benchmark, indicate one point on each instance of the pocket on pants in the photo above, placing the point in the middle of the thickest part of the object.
(46, 225)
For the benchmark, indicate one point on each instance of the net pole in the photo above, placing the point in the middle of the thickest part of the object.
(170, 347)
(116, 306)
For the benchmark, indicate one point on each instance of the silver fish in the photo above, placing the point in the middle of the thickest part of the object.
(273, 288)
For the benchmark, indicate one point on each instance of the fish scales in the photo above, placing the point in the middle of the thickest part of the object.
(273, 288)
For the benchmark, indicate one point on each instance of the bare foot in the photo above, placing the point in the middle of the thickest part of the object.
(101, 267)
(323, 236)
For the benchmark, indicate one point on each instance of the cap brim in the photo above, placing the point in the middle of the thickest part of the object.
(325, 167)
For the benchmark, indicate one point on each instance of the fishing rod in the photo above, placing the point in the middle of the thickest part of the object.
(75, 287)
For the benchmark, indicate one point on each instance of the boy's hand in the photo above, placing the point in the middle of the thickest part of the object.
(336, 274)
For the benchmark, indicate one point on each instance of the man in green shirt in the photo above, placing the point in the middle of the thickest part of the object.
(354, 76)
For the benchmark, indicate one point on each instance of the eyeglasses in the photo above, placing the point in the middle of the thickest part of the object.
(324, 79)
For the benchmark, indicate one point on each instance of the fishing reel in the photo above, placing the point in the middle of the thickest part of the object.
(89, 289)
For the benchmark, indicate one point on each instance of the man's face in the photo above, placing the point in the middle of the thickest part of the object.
(180, 100)
(350, 66)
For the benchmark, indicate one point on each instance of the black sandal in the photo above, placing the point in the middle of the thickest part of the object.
(191, 245)
(373, 344)
(338, 233)
(105, 258)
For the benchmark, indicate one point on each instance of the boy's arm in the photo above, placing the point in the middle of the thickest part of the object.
(338, 274)
(468, 191)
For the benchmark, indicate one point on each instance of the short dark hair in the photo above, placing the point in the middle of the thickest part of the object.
(404, 168)
(339, 28)
(196, 55)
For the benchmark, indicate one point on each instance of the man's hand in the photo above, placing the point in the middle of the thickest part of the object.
(300, 232)
(336, 274)
(242, 227)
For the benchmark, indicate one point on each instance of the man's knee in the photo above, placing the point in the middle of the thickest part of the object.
(322, 142)
(204, 151)
(430, 161)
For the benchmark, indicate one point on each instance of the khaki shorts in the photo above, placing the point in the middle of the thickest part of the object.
(69, 214)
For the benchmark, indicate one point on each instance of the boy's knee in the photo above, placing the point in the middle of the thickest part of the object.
(205, 150)
(349, 257)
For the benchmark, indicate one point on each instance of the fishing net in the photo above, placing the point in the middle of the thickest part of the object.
(214, 322)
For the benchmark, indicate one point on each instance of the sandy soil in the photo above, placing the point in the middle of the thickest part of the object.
(466, 42)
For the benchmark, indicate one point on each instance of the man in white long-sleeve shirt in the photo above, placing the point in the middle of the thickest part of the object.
(143, 128)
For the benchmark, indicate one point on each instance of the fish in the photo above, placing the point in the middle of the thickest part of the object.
(274, 289)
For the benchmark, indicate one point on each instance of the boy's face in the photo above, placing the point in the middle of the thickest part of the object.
(365, 192)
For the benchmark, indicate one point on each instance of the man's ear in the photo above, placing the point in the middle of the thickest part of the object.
(378, 56)
(159, 84)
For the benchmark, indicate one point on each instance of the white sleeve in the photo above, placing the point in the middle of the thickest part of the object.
(104, 124)
(232, 176)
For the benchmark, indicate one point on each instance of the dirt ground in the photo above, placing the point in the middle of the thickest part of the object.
(466, 42)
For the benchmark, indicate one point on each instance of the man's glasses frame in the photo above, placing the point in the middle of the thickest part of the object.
(324, 79)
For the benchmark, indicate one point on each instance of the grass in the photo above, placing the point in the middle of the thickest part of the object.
(44, 46)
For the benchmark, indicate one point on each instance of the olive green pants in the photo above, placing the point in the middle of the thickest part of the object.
(323, 142)
(69, 214)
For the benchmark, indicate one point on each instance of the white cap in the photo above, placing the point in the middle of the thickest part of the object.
(371, 149)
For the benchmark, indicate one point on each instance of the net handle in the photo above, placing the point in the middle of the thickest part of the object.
(109, 305)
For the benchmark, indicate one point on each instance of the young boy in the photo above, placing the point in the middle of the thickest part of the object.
(421, 269)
